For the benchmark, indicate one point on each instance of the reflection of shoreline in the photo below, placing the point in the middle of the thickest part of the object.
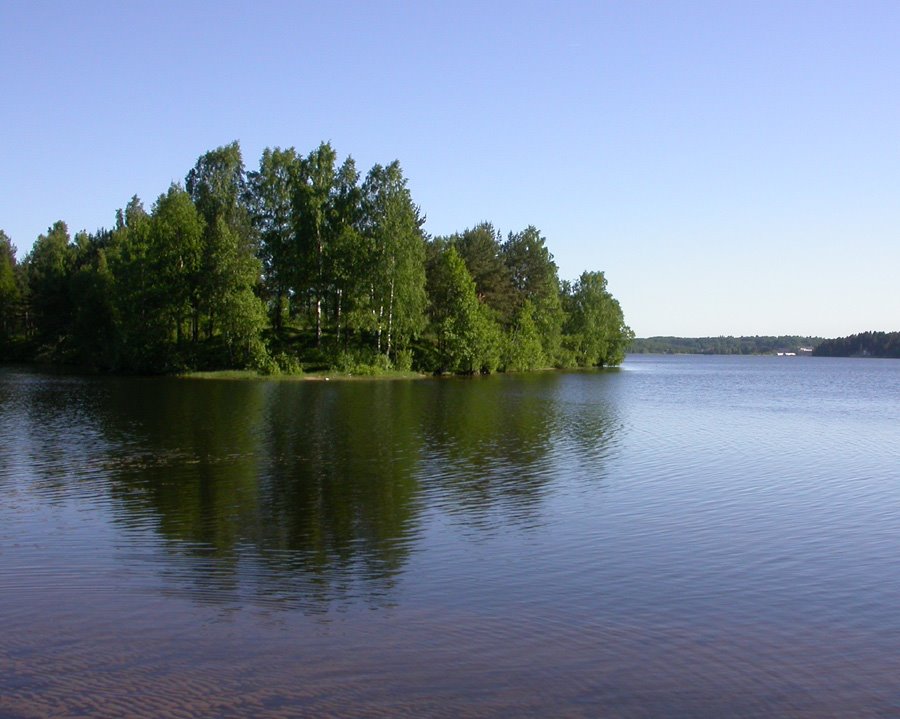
(268, 497)
(306, 494)
(665, 537)
(379, 376)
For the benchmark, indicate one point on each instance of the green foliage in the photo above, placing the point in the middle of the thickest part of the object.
(403, 362)
(347, 254)
(723, 345)
(312, 206)
(176, 253)
(534, 276)
(522, 349)
(395, 271)
(229, 268)
(288, 364)
(363, 362)
(270, 198)
(94, 333)
(468, 340)
(482, 251)
(139, 300)
(865, 344)
(10, 296)
(308, 213)
(595, 330)
(49, 265)
(156, 264)
(297, 265)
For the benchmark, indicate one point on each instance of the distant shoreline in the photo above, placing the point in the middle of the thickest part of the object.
(883, 345)
(726, 345)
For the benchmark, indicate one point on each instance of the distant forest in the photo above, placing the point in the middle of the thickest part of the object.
(865, 344)
(299, 264)
(723, 345)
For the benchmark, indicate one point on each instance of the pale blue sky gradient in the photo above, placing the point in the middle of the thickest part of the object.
(733, 167)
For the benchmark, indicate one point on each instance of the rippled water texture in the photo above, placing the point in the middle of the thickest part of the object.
(684, 537)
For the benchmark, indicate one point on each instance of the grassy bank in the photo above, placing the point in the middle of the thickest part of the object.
(314, 376)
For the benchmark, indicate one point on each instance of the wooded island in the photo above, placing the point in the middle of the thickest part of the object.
(297, 265)
(864, 344)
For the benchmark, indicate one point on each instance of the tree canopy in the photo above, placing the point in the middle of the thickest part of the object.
(757, 344)
(864, 344)
(301, 263)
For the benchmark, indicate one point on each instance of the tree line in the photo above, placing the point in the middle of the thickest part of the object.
(301, 263)
(723, 345)
(864, 344)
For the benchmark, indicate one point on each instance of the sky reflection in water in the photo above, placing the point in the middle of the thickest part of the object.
(686, 536)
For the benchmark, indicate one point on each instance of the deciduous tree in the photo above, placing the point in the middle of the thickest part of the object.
(49, 267)
(534, 276)
(395, 267)
(482, 250)
(9, 289)
(271, 202)
(595, 327)
(230, 270)
(468, 339)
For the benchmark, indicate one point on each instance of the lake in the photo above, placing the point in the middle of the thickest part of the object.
(685, 536)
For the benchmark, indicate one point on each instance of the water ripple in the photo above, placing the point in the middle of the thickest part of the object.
(691, 537)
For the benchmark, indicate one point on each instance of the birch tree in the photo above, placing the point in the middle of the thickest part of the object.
(230, 270)
(271, 203)
(392, 227)
(312, 198)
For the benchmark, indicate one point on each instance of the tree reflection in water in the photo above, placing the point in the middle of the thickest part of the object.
(312, 494)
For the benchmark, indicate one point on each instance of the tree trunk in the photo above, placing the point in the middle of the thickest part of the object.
(378, 329)
(318, 319)
(319, 273)
(390, 317)
(279, 300)
(337, 314)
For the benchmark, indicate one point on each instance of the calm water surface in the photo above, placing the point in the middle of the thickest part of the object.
(684, 537)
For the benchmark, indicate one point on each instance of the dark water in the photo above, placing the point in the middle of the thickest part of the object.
(684, 537)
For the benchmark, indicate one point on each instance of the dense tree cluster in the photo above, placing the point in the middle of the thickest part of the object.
(723, 345)
(865, 344)
(300, 263)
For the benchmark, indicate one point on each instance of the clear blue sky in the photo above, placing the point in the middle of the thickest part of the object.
(733, 167)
